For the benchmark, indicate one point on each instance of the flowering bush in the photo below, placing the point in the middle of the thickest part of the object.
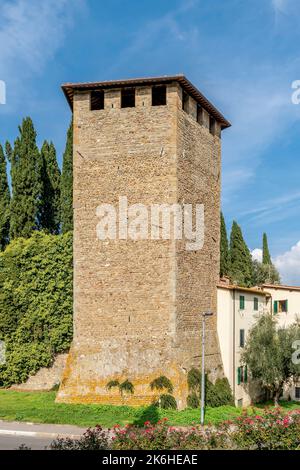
(272, 431)
(92, 439)
(163, 437)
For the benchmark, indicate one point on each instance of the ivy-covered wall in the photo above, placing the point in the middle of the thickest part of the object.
(36, 282)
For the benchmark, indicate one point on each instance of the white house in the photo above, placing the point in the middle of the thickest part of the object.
(238, 310)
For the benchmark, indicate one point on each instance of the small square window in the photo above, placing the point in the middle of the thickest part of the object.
(159, 95)
(212, 125)
(185, 101)
(240, 403)
(199, 114)
(128, 98)
(97, 100)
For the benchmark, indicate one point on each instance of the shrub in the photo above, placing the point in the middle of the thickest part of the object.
(271, 431)
(92, 439)
(274, 430)
(167, 402)
(193, 400)
(162, 383)
(217, 394)
(35, 303)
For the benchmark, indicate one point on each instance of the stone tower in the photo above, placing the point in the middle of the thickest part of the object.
(138, 303)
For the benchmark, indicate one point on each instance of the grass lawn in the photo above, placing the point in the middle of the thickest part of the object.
(40, 407)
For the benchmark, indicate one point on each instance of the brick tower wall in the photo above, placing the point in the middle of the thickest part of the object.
(137, 303)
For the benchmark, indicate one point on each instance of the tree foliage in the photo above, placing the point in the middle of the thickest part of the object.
(49, 205)
(35, 303)
(67, 184)
(240, 258)
(265, 274)
(25, 179)
(266, 257)
(4, 202)
(268, 354)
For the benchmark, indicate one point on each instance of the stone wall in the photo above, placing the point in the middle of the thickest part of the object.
(46, 378)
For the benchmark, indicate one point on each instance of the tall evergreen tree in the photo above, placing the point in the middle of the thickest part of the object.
(240, 258)
(67, 184)
(266, 257)
(224, 250)
(4, 202)
(49, 204)
(24, 160)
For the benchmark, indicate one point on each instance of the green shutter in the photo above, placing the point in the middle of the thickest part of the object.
(255, 303)
(242, 302)
(276, 306)
(239, 375)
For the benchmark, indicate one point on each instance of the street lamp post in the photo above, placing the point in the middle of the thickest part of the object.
(204, 315)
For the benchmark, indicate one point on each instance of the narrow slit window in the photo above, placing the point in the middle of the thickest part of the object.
(199, 114)
(128, 98)
(159, 95)
(97, 100)
(185, 101)
(242, 338)
(212, 125)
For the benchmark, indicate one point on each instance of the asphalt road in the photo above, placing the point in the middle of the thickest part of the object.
(34, 436)
(14, 442)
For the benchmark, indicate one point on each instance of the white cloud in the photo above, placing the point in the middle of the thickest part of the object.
(279, 5)
(257, 254)
(30, 35)
(288, 264)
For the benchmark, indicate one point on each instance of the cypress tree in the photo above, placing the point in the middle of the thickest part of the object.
(4, 202)
(266, 257)
(49, 204)
(240, 258)
(24, 160)
(67, 184)
(224, 250)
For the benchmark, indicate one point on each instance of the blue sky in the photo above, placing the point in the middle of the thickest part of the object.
(244, 55)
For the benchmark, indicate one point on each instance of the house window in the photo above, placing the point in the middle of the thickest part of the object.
(280, 306)
(297, 393)
(97, 100)
(212, 125)
(242, 302)
(199, 114)
(185, 101)
(240, 403)
(242, 338)
(255, 303)
(159, 95)
(242, 375)
(128, 98)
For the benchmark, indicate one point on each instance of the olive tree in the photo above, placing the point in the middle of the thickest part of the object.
(270, 354)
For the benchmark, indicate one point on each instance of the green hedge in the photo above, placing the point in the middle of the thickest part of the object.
(36, 280)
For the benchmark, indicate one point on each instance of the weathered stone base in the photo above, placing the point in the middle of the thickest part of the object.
(85, 380)
(46, 378)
